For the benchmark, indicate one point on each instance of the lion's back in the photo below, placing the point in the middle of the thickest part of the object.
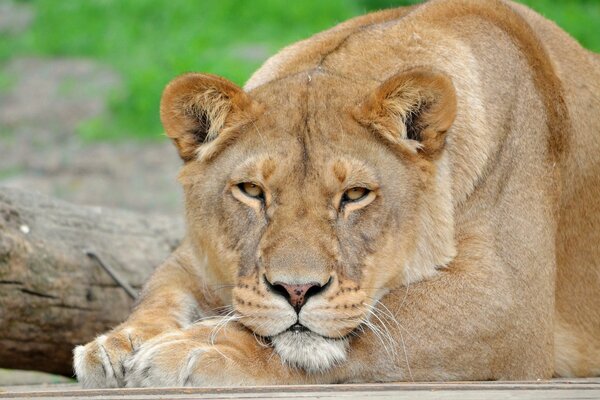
(578, 254)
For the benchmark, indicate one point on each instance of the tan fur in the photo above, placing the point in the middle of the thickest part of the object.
(474, 256)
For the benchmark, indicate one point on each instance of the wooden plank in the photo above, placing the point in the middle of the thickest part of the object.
(554, 389)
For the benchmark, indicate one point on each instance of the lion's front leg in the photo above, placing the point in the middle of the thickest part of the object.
(213, 353)
(170, 301)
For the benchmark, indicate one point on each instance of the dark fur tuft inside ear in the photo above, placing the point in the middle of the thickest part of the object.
(411, 123)
(200, 131)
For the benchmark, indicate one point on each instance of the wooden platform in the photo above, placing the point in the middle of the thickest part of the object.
(554, 389)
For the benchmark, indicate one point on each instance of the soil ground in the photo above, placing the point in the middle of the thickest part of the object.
(40, 150)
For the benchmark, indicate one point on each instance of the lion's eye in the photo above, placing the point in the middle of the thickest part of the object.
(251, 189)
(355, 194)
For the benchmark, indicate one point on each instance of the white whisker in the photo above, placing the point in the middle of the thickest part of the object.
(389, 315)
(227, 318)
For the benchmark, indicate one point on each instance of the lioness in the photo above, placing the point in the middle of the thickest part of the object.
(410, 195)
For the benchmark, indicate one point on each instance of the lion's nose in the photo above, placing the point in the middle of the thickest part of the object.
(296, 295)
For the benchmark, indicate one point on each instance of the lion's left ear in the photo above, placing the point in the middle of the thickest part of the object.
(418, 105)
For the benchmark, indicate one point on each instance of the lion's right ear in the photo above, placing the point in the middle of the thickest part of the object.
(195, 108)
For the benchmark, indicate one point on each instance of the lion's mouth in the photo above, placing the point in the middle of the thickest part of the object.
(298, 328)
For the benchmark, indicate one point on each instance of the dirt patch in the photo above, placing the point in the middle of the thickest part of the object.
(40, 150)
(15, 18)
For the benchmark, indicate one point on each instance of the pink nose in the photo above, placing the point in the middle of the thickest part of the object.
(297, 295)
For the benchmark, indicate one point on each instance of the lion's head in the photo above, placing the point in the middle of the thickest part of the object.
(312, 196)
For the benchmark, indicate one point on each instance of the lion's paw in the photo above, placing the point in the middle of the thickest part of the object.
(101, 363)
(190, 358)
(168, 360)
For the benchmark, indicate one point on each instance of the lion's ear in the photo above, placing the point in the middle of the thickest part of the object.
(418, 105)
(195, 108)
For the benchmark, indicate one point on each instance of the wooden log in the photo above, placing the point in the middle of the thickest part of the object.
(52, 295)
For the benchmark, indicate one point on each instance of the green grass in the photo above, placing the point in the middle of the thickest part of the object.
(148, 42)
(581, 18)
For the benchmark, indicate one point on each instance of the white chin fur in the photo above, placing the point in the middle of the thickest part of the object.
(310, 351)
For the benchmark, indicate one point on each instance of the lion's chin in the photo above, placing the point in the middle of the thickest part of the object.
(310, 351)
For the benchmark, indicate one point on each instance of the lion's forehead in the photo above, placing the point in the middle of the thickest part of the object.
(315, 92)
(308, 131)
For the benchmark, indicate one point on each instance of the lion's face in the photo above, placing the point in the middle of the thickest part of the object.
(307, 209)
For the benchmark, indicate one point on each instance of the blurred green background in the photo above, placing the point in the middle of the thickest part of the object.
(148, 42)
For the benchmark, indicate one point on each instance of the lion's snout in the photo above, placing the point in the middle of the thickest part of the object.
(296, 294)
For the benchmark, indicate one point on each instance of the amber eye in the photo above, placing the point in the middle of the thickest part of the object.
(252, 190)
(355, 194)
